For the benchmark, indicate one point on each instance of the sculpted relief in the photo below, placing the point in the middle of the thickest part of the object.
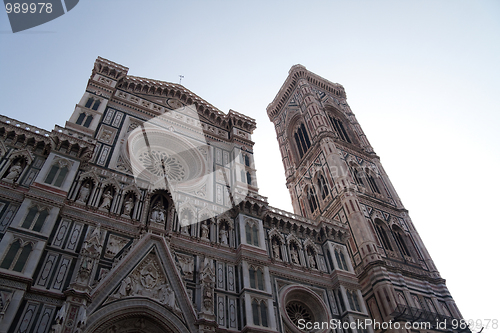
(147, 280)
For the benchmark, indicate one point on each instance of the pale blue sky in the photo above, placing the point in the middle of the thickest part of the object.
(422, 78)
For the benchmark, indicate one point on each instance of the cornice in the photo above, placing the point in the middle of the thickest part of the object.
(296, 73)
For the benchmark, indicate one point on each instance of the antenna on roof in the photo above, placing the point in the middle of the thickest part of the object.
(180, 78)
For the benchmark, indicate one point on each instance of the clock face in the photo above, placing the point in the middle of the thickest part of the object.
(174, 103)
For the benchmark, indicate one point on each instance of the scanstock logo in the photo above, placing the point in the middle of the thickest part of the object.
(170, 152)
(28, 14)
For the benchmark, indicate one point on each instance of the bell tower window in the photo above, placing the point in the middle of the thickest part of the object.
(323, 188)
(339, 128)
(302, 140)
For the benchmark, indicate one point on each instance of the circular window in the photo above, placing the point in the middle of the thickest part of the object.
(300, 305)
(297, 311)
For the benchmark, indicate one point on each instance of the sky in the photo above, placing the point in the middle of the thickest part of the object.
(422, 78)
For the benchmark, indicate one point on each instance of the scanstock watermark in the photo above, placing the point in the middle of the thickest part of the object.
(334, 324)
(28, 14)
(205, 178)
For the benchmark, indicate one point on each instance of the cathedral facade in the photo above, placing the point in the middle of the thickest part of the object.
(142, 214)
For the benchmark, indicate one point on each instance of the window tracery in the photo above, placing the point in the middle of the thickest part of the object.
(17, 255)
(57, 173)
(302, 141)
(259, 311)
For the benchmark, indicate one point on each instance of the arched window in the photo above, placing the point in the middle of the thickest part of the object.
(302, 140)
(339, 128)
(323, 187)
(93, 103)
(84, 120)
(81, 118)
(249, 178)
(17, 256)
(358, 175)
(89, 103)
(352, 298)
(256, 278)
(373, 185)
(401, 240)
(88, 121)
(35, 219)
(252, 234)
(382, 233)
(340, 258)
(57, 174)
(312, 199)
(247, 160)
(259, 312)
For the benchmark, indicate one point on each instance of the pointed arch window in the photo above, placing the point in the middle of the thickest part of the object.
(383, 236)
(259, 312)
(339, 128)
(302, 140)
(312, 199)
(352, 298)
(16, 257)
(358, 175)
(84, 120)
(400, 239)
(323, 187)
(256, 278)
(35, 219)
(372, 183)
(92, 103)
(252, 234)
(57, 174)
(340, 258)
(247, 160)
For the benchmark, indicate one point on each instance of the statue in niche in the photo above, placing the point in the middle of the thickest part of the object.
(158, 213)
(312, 262)
(223, 236)
(294, 254)
(204, 231)
(276, 249)
(84, 193)
(106, 201)
(14, 173)
(127, 206)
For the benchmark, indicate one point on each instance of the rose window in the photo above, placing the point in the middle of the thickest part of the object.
(161, 165)
(297, 311)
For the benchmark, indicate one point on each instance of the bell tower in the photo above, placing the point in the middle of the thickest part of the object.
(332, 171)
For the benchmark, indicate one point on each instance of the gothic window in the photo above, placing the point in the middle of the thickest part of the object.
(252, 234)
(352, 298)
(57, 174)
(88, 121)
(256, 278)
(35, 219)
(358, 175)
(323, 187)
(249, 178)
(372, 183)
(92, 103)
(401, 240)
(339, 128)
(312, 199)
(340, 258)
(259, 311)
(81, 118)
(382, 233)
(302, 140)
(247, 160)
(17, 256)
